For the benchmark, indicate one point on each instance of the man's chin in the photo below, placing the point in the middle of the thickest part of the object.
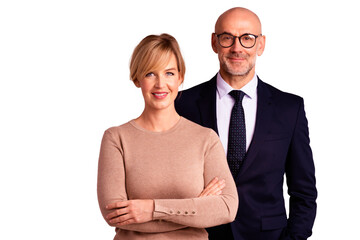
(238, 73)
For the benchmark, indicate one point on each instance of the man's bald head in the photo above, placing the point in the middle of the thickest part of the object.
(234, 15)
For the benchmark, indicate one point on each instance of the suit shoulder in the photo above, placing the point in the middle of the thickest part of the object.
(186, 101)
(283, 96)
(195, 90)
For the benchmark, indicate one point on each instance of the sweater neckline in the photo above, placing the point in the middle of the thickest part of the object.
(172, 129)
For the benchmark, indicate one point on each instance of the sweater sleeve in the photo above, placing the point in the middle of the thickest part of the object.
(111, 185)
(203, 212)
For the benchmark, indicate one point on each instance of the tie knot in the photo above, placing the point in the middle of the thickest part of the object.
(238, 95)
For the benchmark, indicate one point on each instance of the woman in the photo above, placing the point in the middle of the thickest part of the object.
(153, 170)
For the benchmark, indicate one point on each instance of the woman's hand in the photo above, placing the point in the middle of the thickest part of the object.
(140, 211)
(131, 211)
(213, 188)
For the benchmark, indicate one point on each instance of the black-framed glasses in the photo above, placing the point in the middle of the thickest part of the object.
(247, 40)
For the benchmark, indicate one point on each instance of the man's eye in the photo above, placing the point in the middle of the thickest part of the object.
(248, 38)
(226, 38)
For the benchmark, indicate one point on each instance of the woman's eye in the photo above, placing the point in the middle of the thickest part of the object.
(170, 74)
(150, 74)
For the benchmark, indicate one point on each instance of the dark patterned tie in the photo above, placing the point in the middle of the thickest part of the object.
(237, 134)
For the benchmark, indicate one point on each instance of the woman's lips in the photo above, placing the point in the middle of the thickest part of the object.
(160, 95)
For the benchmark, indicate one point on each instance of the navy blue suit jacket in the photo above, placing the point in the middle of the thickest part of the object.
(280, 145)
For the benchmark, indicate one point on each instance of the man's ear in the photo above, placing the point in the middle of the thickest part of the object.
(261, 46)
(213, 43)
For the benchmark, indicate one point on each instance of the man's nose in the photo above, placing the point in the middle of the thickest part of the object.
(237, 47)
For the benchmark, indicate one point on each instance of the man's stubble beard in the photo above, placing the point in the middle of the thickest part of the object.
(243, 73)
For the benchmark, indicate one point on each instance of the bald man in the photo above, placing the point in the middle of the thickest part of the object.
(273, 140)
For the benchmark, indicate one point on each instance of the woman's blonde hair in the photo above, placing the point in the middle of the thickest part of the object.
(153, 53)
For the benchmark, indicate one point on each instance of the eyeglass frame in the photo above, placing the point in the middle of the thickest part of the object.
(238, 37)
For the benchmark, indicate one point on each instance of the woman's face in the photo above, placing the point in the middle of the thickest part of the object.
(160, 87)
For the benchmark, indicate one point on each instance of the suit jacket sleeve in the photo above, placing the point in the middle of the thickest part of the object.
(300, 175)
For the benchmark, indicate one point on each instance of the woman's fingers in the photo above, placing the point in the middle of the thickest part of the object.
(117, 212)
(216, 188)
(121, 219)
(119, 204)
(131, 211)
(211, 184)
(213, 188)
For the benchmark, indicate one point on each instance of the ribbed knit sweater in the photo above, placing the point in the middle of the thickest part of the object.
(171, 167)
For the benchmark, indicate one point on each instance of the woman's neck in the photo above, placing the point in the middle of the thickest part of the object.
(158, 121)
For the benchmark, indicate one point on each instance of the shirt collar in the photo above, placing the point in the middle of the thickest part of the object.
(223, 88)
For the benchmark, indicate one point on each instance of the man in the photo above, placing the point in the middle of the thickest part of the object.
(264, 132)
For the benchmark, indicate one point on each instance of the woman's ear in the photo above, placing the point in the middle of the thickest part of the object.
(137, 83)
(181, 80)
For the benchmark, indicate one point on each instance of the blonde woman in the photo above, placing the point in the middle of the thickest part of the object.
(160, 175)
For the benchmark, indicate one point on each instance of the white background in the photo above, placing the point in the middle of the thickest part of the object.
(65, 79)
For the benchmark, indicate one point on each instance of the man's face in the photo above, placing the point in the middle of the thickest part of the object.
(238, 60)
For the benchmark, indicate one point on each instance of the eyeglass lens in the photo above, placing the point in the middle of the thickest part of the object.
(247, 40)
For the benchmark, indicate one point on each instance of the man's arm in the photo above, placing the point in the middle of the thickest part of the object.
(300, 174)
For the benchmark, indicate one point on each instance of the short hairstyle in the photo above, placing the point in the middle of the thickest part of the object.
(153, 53)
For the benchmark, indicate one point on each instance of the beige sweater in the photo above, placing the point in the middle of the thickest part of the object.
(171, 167)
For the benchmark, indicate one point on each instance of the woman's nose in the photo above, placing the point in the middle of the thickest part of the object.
(160, 81)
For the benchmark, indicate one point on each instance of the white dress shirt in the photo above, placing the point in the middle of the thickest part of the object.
(225, 103)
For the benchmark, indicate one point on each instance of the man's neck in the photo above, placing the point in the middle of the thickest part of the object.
(237, 82)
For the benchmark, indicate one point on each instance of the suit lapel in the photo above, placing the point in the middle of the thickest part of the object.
(264, 112)
(207, 105)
